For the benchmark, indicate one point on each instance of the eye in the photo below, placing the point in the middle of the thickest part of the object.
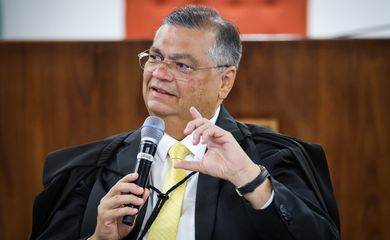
(155, 58)
(183, 67)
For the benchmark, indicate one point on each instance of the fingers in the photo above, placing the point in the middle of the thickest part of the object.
(107, 214)
(113, 204)
(189, 165)
(146, 195)
(120, 200)
(197, 124)
(203, 130)
(195, 113)
(201, 127)
(125, 185)
(194, 123)
(209, 133)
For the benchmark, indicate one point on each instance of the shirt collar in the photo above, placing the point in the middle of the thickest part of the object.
(197, 150)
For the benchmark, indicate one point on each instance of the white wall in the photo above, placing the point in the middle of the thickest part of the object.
(332, 18)
(63, 19)
(104, 19)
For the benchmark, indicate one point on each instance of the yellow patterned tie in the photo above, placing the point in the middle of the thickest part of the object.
(167, 222)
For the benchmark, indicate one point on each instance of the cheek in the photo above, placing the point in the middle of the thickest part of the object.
(145, 81)
(189, 94)
(146, 76)
(193, 91)
(196, 94)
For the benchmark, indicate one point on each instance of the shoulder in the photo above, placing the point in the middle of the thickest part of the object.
(270, 142)
(270, 137)
(87, 154)
(309, 157)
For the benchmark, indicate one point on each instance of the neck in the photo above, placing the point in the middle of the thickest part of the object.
(175, 128)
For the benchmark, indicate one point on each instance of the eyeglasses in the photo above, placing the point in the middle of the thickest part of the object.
(149, 62)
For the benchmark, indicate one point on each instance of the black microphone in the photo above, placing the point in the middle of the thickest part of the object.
(151, 133)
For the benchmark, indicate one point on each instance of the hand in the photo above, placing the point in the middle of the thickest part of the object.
(112, 208)
(224, 157)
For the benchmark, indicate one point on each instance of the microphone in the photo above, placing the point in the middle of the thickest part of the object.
(151, 133)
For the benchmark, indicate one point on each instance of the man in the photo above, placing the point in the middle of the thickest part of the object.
(250, 183)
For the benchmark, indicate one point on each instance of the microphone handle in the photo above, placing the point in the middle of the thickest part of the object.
(143, 171)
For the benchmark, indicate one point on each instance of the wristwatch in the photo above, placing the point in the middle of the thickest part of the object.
(251, 186)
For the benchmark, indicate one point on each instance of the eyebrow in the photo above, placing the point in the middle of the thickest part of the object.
(177, 56)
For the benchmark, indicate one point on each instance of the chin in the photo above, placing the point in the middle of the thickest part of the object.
(158, 109)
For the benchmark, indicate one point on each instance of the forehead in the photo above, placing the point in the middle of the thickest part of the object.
(175, 40)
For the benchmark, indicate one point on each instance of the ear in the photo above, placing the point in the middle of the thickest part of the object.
(227, 80)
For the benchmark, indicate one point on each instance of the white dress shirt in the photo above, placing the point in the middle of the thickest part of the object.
(159, 168)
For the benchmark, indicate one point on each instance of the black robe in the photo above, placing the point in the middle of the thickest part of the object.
(303, 207)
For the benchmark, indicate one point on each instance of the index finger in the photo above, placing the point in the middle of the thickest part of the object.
(116, 189)
(195, 113)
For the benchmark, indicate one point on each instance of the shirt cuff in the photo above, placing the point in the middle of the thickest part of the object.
(269, 201)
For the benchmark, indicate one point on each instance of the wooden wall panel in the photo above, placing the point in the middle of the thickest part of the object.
(334, 93)
(56, 94)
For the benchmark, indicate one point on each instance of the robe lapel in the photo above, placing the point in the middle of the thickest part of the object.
(209, 187)
(126, 159)
(206, 206)
(124, 163)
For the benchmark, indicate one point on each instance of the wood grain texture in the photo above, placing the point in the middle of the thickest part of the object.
(334, 93)
(57, 94)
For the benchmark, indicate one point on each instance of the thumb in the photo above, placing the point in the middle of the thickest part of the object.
(189, 165)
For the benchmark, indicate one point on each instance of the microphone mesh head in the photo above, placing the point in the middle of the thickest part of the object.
(153, 129)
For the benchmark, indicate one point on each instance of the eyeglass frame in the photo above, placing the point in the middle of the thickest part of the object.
(146, 53)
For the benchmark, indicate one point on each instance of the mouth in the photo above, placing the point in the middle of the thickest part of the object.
(161, 91)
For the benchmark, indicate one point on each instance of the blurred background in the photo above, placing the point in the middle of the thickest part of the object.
(315, 69)
(131, 19)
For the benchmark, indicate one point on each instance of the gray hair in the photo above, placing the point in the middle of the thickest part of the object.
(227, 48)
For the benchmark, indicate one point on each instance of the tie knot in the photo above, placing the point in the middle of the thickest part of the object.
(178, 152)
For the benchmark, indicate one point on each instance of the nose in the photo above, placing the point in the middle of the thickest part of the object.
(162, 71)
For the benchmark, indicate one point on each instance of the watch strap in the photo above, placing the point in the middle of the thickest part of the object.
(251, 186)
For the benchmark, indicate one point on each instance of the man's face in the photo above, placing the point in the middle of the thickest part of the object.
(169, 97)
